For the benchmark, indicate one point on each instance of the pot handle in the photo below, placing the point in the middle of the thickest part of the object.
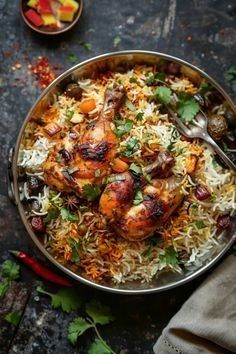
(10, 188)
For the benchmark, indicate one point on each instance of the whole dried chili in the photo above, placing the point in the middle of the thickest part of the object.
(40, 270)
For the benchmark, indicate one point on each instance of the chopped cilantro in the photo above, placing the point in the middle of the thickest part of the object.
(123, 126)
(51, 215)
(171, 146)
(169, 257)
(231, 77)
(66, 298)
(163, 95)
(131, 147)
(86, 45)
(69, 113)
(13, 317)
(200, 224)
(116, 41)
(214, 163)
(138, 198)
(75, 256)
(135, 168)
(139, 116)
(72, 58)
(133, 80)
(152, 80)
(148, 177)
(91, 192)
(65, 214)
(204, 88)
(213, 198)
(153, 242)
(187, 107)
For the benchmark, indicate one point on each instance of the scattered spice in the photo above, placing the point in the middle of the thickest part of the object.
(43, 71)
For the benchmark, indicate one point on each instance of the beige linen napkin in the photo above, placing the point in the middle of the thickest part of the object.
(206, 323)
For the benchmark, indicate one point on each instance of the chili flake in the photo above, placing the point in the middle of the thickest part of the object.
(43, 71)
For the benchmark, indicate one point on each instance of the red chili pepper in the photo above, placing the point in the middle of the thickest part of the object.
(41, 270)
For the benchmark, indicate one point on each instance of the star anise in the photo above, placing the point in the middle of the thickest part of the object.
(72, 202)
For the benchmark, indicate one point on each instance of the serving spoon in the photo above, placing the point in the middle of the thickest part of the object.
(198, 129)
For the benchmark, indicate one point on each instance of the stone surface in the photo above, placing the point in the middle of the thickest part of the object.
(202, 32)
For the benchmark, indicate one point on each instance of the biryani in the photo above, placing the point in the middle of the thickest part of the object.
(115, 192)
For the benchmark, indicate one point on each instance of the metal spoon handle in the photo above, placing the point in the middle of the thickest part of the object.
(220, 152)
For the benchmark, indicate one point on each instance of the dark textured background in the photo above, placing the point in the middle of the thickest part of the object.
(201, 32)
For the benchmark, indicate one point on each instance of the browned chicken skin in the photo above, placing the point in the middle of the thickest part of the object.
(137, 222)
(74, 163)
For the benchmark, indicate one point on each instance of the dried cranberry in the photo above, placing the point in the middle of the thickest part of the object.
(223, 221)
(73, 91)
(65, 154)
(37, 224)
(172, 68)
(201, 193)
(34, 185)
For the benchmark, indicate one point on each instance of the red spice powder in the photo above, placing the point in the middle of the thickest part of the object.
(44, 72)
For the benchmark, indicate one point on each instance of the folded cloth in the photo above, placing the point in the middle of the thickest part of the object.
(206, 323)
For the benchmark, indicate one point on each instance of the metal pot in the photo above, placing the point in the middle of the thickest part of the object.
(118, 60)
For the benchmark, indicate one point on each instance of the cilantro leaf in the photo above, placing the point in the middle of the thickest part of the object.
(66, 298)
(123, 126)
(65, 214)
(13, 317)
(114, 178)
(86, 45)
(75, 256)
(154, 79)
(135, 168)
(91, 191)
(231, 77)
(204, 88)
(138, 198)
(76, 328)
(153, 242)
(169, 257)
(72, 58)
(51, 215)
(116, 41)
(133, 80)
(98, 347)
(139, 116)
(4, 285)
(10, 270)
(187, 107)
(99, 313)
(200, 224)
(69, 113)
(130, 148)
(163, 94)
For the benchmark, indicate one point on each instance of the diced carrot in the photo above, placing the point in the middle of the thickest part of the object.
(87, 106)
(154, 147)
(34, 18)
(119, 166)
(191, 164)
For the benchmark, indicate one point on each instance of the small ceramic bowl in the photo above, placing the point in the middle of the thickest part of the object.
(46, 29)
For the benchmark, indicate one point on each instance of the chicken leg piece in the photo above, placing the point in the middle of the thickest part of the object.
(138, 222)
(89, 156)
